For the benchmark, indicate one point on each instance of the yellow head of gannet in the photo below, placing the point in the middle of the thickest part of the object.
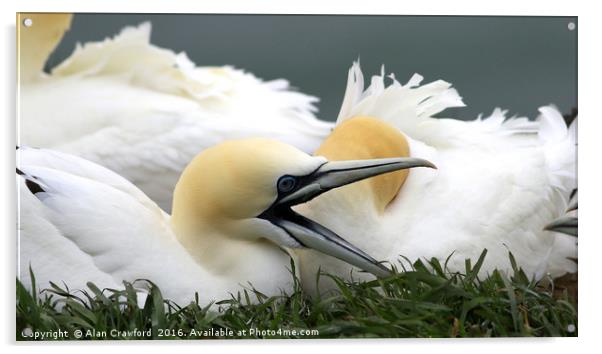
(234, 197)
(365, 137)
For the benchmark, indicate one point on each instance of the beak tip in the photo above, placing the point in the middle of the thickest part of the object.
(427, 163)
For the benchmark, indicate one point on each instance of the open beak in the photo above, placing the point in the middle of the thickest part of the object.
(331, 175)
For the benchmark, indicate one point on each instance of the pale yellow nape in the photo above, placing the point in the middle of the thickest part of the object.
(37, 42)
(361, 138)
(234, 180)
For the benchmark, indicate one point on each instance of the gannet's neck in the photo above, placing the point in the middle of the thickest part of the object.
(368, 138)
(233, 250)
(221, 247)
(37, 42)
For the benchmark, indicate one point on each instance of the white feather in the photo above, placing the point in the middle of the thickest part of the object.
(145, 111)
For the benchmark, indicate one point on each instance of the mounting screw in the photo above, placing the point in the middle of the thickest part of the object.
(571, 26)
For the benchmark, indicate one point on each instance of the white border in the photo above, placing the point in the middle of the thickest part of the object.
(589, 157)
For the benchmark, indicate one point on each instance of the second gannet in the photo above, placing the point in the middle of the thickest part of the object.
(498, 184)
(231, 223)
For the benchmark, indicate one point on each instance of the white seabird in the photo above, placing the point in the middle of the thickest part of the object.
(80, 222)
(499, 181)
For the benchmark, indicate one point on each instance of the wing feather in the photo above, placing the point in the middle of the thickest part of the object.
(89, 224)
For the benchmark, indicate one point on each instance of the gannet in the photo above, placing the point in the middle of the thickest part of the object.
(231, 223)
(498, 183)
(145, 111)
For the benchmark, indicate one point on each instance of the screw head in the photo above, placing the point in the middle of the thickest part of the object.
(571, 26)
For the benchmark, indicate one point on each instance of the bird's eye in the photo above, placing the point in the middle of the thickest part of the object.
(286, 184)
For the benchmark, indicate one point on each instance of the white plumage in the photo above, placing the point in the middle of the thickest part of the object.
(91, 225)
(145, 111)
(499, 182)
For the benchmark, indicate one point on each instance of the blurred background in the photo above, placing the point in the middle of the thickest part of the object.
(516, 63)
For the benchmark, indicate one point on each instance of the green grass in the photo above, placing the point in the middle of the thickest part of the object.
(424, 301)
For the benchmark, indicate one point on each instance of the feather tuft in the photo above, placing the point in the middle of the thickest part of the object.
(403, 106)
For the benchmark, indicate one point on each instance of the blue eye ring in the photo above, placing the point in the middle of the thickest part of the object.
(286, 184)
